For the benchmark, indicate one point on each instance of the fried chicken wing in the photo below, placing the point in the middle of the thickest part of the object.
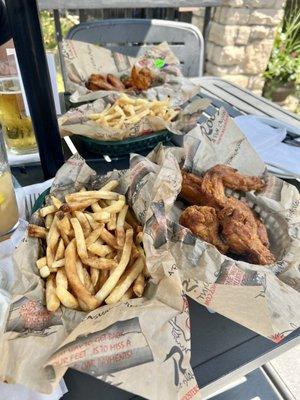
(191, 190)
(240, 231)
(232, 179)
(141, 79)
(203, 222)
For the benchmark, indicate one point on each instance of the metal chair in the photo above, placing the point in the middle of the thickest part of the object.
(129, 35)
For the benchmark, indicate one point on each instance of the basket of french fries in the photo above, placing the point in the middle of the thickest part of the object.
(120, 124)
(93, 253)
(95, 287)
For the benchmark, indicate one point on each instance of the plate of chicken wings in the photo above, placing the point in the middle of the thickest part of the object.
(223, 220)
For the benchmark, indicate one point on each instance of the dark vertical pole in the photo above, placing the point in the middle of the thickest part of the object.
(26, 30)
(207, 17)
(59, 38)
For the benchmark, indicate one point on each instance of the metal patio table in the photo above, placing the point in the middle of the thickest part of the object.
(222, 351)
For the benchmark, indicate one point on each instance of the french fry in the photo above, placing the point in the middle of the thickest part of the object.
(115, 207)
(111, 185)
(60, 252)
(79, 205)
(41, 262)
(49, 220)
(66, 298)
(100, 250)
(92, 194)
(79, 237)
(103, 275)
(120, 226)
(108, 238)
(52, 241)
(47, 210)
(139, 285)
(37, 231)
(139, 238)
(61, 279)
(79, 270)
(44, 271)
(129, 276)
(83, 222)
(129, 294)
(99, 262)
(96, 207)
(111, 225)
(87, 282)
(56, 202)
(93, 224)
(93, 236)
(58, 264)
(115, 276)
(95, 273)
(52, 301)
(81, 292)
(102, 216)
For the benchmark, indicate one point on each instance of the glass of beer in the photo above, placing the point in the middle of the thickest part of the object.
(9, 215)
(16, 125)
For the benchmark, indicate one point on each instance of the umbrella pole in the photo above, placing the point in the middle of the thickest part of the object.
(27, 36)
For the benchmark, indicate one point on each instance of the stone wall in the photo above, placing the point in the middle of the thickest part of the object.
(240, 40)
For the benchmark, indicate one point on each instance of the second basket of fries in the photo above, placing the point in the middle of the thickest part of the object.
(94, 288)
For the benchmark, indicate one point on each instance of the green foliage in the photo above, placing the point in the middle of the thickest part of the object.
(48, 28)
(284, 64)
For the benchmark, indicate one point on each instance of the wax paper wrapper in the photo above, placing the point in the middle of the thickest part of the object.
(83, 59)
(122, 344)
(264, 299)
(77, 121)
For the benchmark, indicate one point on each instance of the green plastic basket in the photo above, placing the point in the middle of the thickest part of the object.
(117, 148)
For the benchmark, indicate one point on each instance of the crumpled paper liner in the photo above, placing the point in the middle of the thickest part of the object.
(76, 121)
(262, 298)
(122, 344)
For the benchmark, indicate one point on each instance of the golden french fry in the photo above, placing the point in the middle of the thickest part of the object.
(103, 275)
(49, 220)
(96, 207)
(139, 285)
(52, 301)
(95, 273)
(58, 264)
(83, 306)
(47, 210)
(77, 287)
(44, 271)
(115, 276)
(139, 238)
(41, 262)
(56, 202)
(99, 262)
(115, 207)
(61, 278)
(37, 231)
(79, 205)
(94, 236)
(99, 249)
(109, 186)
(79, 237)
(79, 270)
(108, 238)
(60, 252)
(52, 241)
(129, 294)
(93, 224)
(102, 216)
(134, 252)
(120, 226)
(129, 276)
(111, 225)
(83, 222)
(87, 282)
(83, 189)
(92, 194)
(66, 298)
